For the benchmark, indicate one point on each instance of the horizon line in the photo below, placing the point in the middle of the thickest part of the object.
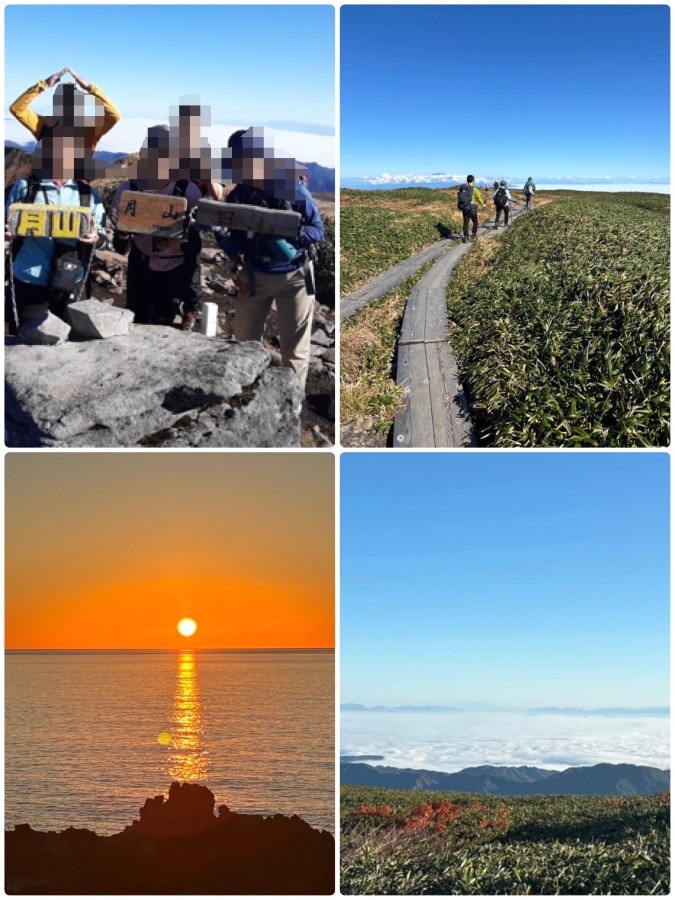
(166, 649)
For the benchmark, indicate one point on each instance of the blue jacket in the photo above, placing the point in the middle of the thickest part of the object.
(236, 245)
(33, 262)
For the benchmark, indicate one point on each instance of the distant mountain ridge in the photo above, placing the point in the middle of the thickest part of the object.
(321, 178)
(359, 707)
(604, 779)
(606, 711)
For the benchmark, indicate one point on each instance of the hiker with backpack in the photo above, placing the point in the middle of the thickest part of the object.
(502, 200)
(163, 273)
(69, 108)
(469, 198)
(271, 269)
(46, 274)
(529, 190)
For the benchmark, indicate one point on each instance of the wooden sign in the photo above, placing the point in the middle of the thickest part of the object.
(160, 214)
(46, 221)
(280, 222)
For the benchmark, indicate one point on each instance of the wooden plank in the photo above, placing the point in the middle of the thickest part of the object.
(160, 214)
(449, 409)
(388, 280)
(413, 426)
(412, 327)
(279, 222)
(47, 221)
(425, 317)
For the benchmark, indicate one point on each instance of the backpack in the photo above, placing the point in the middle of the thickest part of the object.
(260, 247)
(465, 198)
(500, 198)
(529, 189)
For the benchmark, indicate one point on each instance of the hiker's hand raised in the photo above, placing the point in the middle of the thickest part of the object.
(55, 78)
(85, 85)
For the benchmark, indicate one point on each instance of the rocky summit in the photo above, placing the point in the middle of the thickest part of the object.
(178, 846)
(153, 387)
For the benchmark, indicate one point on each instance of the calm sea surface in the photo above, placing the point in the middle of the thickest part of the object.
(89, 736)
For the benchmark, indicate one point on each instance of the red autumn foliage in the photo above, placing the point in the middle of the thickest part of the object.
(385, 811)
(436, 816)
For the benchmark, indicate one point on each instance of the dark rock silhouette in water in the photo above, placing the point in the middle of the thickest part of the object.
(178, 846)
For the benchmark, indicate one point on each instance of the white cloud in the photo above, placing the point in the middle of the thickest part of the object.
(434, 178)
(471, 739)
(128, 135)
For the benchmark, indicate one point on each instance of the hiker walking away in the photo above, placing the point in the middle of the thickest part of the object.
(163, 274)
(503, 200)
(47, 274)
(69, 108)
(469, 199)
(272, 269)
(529, 190)
(495, 187)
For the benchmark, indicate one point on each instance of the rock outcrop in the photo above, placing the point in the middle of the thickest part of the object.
(155, 387)
(179, 846)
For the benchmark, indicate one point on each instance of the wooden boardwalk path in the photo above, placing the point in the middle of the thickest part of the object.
(435, 412)
(388, 280)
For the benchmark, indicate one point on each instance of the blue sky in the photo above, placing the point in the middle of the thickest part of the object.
(256, 65)
(546, 91)
(514, 579)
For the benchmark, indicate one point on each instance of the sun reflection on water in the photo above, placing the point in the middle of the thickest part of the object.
(187, 758)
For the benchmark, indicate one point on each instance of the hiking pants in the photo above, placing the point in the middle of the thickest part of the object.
(295, 308)
(33, 300)
(498, 212)
(155, 297)
(471, 216)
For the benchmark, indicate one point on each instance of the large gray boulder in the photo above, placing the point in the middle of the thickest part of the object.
(93, 319)
(155, 387)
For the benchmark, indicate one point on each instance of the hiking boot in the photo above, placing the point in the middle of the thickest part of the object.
(496, 227)
(188, 322)
(473, 237)
(464, 239)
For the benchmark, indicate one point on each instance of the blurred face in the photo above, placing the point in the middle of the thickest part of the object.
(154, 165)
(249, 170)
(63, 157)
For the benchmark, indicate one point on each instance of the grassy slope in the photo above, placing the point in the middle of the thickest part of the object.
(381, 228)
(415, 842)
(561, 328)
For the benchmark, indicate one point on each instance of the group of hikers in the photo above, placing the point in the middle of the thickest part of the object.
(163, 279)
(469, 198)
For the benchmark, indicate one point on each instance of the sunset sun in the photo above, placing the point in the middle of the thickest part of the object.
(187, 627)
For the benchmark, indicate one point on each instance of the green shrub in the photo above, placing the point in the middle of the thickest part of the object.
(564, 340)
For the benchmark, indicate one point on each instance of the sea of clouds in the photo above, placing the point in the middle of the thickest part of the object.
(449, 742)
(386, 181)
(128, 135)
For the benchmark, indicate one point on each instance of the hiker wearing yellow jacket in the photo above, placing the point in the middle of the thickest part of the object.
(469, 199)
(68, 108)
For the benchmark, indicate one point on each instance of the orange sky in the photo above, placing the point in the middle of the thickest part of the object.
(110, 550)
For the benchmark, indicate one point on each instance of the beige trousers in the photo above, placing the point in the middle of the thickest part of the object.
(295, 308)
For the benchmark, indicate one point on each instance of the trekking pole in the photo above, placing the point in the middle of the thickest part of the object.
(12, 292)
